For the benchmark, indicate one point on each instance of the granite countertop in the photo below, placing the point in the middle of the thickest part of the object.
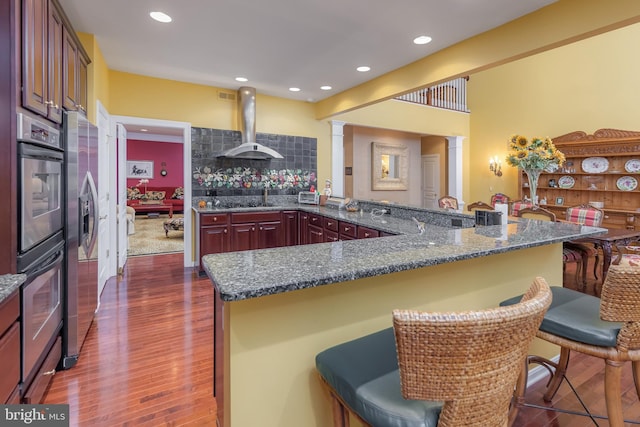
(9, 283)
(251, 274)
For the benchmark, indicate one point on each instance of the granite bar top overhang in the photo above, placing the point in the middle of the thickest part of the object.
(251, 274)
(9, 283)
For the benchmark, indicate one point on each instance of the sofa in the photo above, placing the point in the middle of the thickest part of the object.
(168, 195)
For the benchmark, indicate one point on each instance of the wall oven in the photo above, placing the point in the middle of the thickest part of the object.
(41, 183)
(41, 299)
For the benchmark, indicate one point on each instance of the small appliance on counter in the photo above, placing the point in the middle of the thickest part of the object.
(308, 198)
(488, 217)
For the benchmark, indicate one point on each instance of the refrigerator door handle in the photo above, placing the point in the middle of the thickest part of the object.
(88, 206)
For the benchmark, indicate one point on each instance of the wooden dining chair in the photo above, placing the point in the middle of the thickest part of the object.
(499, 198)
(570, 254)
(448, 202)
(517, 205)
(536, 212)
(585, 215)
(479, 206)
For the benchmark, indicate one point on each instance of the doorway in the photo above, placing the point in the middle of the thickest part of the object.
(430, 181)
(163, 129)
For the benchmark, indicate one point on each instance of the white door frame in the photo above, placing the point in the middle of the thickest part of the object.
(107, 262)
(186, 144)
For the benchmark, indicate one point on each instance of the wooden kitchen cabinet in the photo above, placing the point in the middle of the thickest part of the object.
(256, 230)
(54, 66)
(74, 73)
(603, 167)
(302, 228)
(42, 29)
(290, 228)
(367, 233)
(315, 234)
(214, 235)
(10, 348)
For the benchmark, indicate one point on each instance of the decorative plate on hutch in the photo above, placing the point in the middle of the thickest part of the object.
(627, 183)
(595, 164)
(566, 182)
(632, 166)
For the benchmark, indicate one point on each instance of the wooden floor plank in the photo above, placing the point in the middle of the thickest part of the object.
(148, 361)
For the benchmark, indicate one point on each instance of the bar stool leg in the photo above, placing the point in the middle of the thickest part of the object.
(613, 392)
(558, 375)
(635, 366)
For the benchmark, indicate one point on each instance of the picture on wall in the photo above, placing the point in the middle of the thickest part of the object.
(139, 169)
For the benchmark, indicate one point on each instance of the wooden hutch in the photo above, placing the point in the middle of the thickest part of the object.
(601, 168)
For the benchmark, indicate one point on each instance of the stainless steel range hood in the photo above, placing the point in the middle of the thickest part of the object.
(249, 149)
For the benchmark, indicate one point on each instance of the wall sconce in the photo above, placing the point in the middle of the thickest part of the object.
(163, 172)
(495, 166)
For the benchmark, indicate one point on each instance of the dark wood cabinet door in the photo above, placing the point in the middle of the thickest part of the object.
(367, 233)
(70, 98)
(54, 83)
(243, 237)
(331, 236)
(290, 228)
(35, 71)
(303, 230)
(213, 240)
(315, 234)
(270, 234)
(83, 96)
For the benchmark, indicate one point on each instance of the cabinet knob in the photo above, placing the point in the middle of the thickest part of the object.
(253, 229)
(261, 228)
(366, 234)
(48, 102)
(226, 231)
(215, 219)
(329, 223)
(51, 372)
(347, 228)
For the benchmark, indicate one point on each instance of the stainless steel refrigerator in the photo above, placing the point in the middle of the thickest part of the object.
(81, 227)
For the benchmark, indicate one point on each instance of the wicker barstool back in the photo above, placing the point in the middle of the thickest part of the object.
(470, 360)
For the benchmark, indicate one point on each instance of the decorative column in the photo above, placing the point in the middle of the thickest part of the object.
(454, 167)
(337, 158)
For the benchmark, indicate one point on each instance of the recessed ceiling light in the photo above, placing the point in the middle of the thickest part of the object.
(160, 17)
(326, 87)
(363, 69)
(294, 89)
(242, 79)
(422, 40)
(143, 130)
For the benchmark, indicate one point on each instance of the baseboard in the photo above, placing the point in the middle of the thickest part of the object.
(539, 372)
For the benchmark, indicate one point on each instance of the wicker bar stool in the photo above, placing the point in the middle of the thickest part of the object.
(434, 369)
(606, 327)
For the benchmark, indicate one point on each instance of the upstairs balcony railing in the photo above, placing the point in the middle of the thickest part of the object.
(451, 95)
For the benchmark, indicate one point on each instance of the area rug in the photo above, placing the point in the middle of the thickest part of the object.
(149, 237)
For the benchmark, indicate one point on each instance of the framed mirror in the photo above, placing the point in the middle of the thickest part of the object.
(389, 166)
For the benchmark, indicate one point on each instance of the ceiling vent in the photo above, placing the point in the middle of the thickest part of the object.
(226, 96)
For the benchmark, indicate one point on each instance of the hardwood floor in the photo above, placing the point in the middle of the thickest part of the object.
(147, 360)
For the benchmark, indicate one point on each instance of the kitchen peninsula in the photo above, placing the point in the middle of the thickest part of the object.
(275, 309)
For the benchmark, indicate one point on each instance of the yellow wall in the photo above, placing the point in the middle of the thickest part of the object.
(586, 86)
(149, 97)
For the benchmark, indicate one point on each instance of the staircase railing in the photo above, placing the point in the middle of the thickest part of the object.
(451, 95)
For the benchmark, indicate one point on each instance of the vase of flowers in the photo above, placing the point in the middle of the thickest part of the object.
(534, 156)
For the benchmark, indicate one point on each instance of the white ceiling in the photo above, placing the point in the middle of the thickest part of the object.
(278, 44)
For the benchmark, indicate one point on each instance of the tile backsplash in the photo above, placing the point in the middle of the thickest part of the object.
(213, 176)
